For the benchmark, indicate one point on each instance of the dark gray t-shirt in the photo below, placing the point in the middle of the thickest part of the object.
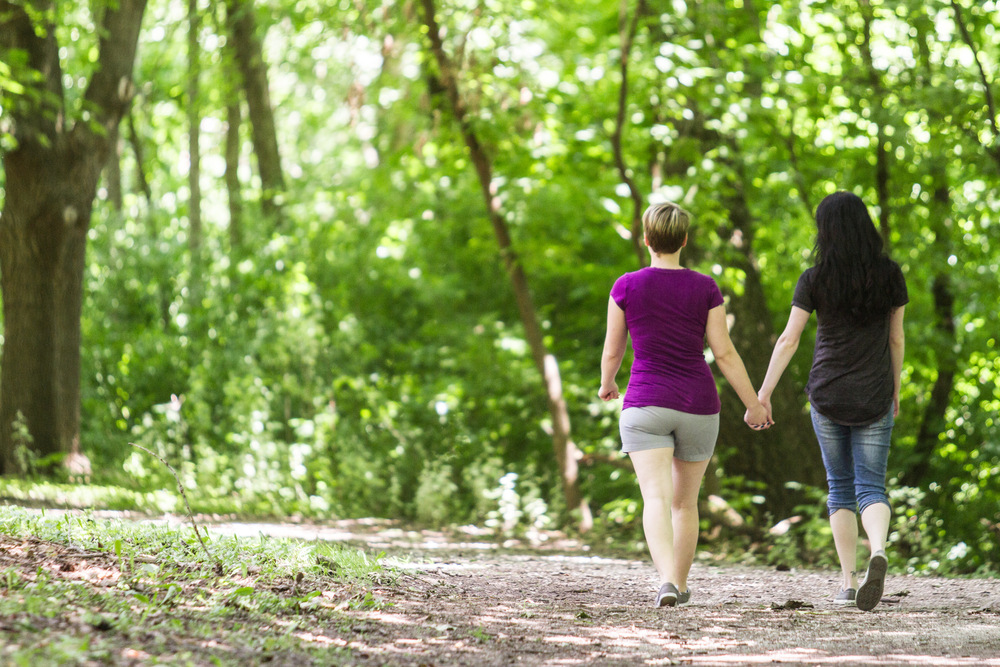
(851, 379)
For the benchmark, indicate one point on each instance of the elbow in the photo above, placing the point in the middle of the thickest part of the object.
(787, 342)
(725, 359)
(613, 356)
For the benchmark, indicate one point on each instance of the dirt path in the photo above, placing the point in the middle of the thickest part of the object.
(470, 603)
(461, 599)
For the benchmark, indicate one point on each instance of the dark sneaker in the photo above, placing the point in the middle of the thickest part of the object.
(683, 597)
(667, 597)
(845, 597)
(870, 590)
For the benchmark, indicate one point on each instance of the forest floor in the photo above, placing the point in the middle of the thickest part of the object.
(461, 599)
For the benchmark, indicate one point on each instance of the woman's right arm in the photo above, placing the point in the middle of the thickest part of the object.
(731, 364)
(784, 349)
(614, 351)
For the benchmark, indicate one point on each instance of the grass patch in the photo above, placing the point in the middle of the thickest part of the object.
(75, 589)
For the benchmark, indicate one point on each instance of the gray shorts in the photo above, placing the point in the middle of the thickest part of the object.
(692, 436)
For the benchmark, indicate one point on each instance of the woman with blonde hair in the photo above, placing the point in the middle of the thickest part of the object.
(670, 417)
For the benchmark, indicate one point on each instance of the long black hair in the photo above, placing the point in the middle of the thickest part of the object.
(853, 273)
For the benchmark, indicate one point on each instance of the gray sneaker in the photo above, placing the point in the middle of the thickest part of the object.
(870, 590)
(683, 597)
(846, 597)
(667, 597)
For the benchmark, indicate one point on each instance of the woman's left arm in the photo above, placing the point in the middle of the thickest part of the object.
(614, 351)
(897, 345)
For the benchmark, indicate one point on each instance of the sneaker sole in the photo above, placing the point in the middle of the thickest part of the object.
(870, 592)
(667, 601)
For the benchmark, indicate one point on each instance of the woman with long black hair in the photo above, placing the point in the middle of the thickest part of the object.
(859, 295)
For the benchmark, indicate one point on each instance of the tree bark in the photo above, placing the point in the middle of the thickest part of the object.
(566, 452)
(51, 183)
(250, 57)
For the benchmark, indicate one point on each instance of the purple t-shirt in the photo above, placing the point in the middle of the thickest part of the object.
(666, 311)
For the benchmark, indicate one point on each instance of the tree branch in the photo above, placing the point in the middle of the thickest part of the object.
(42, 113)
(881, 154)
(140, 170)
(194, 524)
(627, 30)
(800, 178)
(990, 104)
(623, 462)
(111, 88)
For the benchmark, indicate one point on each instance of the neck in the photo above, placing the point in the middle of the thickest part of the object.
(665, 261)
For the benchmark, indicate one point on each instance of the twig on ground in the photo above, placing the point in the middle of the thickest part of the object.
(194, 524)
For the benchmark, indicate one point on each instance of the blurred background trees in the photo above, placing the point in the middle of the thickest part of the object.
(295, 287)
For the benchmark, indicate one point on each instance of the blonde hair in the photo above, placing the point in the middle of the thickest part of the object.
(665, 226)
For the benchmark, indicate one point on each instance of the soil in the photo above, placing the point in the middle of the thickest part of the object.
(462, 599)
(469, 601)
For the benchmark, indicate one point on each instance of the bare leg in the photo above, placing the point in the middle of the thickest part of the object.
(875, 518)
(687, 483)
(653, 469)
(844, 523)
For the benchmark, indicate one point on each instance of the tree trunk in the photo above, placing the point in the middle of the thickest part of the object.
(140, 169)
(566, 452)
(194, 153)
(234, 120)
(627, 31)
(51, 182)
(788, 452)
(113, 171)
(879, 117)
(933, 421)
(250, 57)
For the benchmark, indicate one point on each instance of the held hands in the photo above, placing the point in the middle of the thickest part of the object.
(758, 417)
(609, 392)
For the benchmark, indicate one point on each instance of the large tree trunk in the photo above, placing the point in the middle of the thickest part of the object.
(51, 181)
(250, 57)
(566, 452)
(788, 452)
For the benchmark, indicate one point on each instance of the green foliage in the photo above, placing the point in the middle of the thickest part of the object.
(367, 357)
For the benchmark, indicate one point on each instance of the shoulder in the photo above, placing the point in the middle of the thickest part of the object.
(806, 280)
(621, 288)
(700, 278)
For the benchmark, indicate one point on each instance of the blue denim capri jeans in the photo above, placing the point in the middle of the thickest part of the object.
(855, 458)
